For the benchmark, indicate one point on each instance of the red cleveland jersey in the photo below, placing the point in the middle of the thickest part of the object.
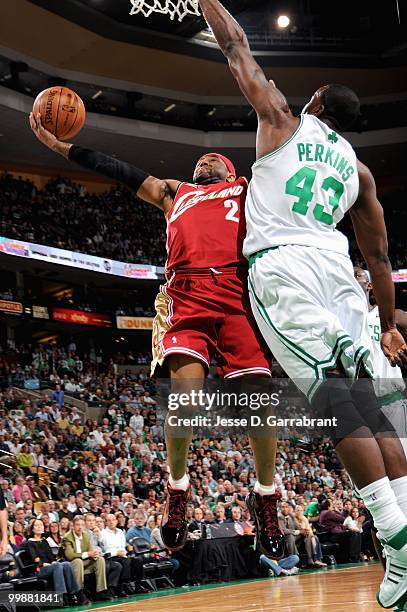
(206, 225)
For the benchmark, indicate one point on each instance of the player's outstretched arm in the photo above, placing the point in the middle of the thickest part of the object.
(155, 191)
(371, 235)
(263, 95)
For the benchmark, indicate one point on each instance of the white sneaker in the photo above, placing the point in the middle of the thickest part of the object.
(290, 572)
(393, 589)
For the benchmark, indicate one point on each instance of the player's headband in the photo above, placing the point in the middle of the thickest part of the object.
(226, 161)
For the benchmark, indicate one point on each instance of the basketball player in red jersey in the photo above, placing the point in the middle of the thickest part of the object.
(202, 309)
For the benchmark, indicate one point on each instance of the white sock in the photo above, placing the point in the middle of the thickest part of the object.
(380, 499)
(182, 483)
(399, 486)
(264, 489)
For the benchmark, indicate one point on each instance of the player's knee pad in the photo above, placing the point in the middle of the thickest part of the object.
(333, 401)
(368, 406)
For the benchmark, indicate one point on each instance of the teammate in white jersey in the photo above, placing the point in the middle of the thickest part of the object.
(307, 303)
(388, 382)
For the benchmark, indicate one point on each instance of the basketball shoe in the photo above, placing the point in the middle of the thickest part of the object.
(393, 589)
(263, 512)
(174, 527)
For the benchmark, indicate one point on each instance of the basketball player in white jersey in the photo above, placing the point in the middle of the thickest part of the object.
(307, 303)
(388, 383)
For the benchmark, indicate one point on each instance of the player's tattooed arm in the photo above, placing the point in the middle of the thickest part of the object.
(160, 192)
(263, 95)
(371, 235)
(155, 191)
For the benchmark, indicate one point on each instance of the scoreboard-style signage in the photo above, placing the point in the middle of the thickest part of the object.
(78, 317)
(15, 308)
(135, 323)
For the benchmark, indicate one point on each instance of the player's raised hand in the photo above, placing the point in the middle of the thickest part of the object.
(43, 135)
(48, 139)
(394, 347)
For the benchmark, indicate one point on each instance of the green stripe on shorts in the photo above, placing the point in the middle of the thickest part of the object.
(390, 398)
(258, 254)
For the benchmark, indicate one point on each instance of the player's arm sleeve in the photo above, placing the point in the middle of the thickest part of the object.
(263, 95)
(115, 169)
(371, 235)
(153, 190)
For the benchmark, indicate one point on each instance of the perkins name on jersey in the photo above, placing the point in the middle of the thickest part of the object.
(312, 152)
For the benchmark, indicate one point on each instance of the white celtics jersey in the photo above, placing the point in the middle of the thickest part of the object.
(386, 378)
(300, 191)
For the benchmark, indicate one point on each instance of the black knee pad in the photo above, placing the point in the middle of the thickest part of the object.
(368, 406)
(334, 401)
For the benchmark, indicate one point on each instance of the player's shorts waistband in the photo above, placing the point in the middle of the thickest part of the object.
(395, 396)
(229, 270)
(252, 258)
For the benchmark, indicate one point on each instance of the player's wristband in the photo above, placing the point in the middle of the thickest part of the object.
(115, 169)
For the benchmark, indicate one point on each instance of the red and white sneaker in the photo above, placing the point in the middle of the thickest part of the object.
(174, 527)
(263, 512)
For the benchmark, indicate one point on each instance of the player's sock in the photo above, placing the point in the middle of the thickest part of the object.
(399, 486)
(182, 483)
(264, 489)
(381, 501)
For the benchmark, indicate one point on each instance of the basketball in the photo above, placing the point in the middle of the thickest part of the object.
(62, 111)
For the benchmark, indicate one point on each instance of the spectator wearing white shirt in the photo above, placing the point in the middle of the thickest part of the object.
(354, 521)
(98, 435)
(137, 422)
(113, 541)
(91, 442)
(14, 444)
(71, 386)
(72, 507)
(327, 478)
(148, 400)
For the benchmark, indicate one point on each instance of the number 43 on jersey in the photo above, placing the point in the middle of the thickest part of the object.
(300, 186)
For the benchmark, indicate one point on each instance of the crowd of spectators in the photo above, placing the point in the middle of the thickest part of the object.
(102, 482)
(112, 224)
(64, 367)
(116, 225)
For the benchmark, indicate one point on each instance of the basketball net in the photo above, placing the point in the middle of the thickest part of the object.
(173, 8)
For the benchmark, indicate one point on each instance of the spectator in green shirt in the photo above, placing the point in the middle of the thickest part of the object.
(312, 512)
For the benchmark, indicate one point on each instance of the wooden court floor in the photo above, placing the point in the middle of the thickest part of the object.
(351, 589)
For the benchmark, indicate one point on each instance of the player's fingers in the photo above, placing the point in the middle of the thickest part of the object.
(397, 359)
(389, 356)
(386, 351)
(403, 354)
(33, 122)
(39, 122)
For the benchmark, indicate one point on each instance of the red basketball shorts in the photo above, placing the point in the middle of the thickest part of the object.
(206, 313)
